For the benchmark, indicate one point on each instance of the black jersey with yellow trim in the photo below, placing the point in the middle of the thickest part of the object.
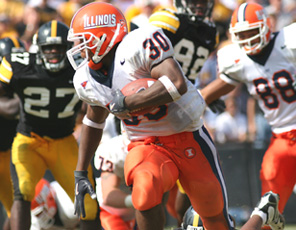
(192, 41)
(49, 103)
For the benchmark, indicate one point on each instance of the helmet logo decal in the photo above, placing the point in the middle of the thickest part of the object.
(190, 153)
(260, 14)
(106, 20)
(83, 84)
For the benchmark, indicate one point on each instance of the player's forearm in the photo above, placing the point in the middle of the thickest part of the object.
(153, 96)
(9, 107)
(163, 91)
(215, 90)
(90, 139)
(116, 198)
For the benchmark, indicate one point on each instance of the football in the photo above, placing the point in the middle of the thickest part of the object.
(136, 87)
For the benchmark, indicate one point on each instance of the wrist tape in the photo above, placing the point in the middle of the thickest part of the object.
(92, 124)
(170, 87)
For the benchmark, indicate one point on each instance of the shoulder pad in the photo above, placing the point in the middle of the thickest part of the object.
(165, 19)
(210, 23)
(229, 63)
(140, 56)
(5, 71)
(289, 36)
(84, 89)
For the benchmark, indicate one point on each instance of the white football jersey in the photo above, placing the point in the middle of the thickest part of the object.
(269, 82)
(135, 56)
(110, 156)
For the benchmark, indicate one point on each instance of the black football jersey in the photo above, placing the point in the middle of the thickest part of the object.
(192, 41)
(49, 103)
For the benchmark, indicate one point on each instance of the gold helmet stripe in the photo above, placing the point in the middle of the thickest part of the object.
(54, 26)
(15, 42)
(195, 220)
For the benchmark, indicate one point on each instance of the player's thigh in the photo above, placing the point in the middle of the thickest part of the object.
(201, 176)
(63, 163)
(28, 166)
(152, 159)
(151, 173)
(278, 169)
(6, 196)
(279, 162)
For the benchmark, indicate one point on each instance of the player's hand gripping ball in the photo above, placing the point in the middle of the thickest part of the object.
(136, 87)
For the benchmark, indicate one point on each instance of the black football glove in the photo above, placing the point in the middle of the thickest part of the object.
(217, 106)
(82, 186)
(117, 106)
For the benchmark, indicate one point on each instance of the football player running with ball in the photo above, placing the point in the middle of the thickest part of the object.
(168, 143)
(266, 63)
(49, 106)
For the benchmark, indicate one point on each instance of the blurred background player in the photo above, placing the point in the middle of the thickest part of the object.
(146, 9)
(266, 63)
(114, 197)
(9, 110)
(51, 207)
(194, 37)
(44, 140)
(138, 13)
(191, 32)
(230, 125)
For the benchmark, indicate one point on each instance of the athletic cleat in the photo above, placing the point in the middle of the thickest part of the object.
(268, 205)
